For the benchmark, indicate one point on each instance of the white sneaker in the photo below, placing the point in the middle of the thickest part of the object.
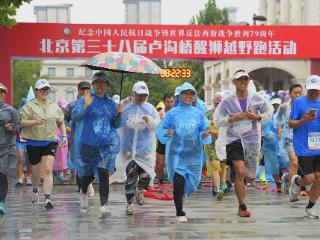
(140, 198)
(29, 182)
(84, 201)
(90, 190)
(130, 209)
(294, 189)
(35, 198)
(48, 204)
(104, 211)
(310, 213)
(181, 219)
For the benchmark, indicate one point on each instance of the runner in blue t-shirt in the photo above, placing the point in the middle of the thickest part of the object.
(305, 121)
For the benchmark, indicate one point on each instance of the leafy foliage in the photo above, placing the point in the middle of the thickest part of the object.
(8, 9)
(25, 74)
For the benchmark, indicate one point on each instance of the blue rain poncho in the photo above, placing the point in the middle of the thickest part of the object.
(138, 139)
(96, 142)
(184, 150)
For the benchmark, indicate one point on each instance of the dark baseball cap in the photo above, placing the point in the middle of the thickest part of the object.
(84, 84)
(100, 76)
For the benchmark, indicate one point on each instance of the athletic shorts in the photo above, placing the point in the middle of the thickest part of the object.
(234, 152)
(35, 153)
(161, 148)
(22, 146)
(308, 165)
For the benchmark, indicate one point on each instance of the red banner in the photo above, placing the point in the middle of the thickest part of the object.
(166, 41)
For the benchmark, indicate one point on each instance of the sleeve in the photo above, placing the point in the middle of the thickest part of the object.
(116, 120)
(266, 111)
(220, 116)
(204, 125)
(25, 113)
(60, 116)
(153, 120)
(281, 112)
(78, 111)
(15, 121)
(163, 127)
(295, 113)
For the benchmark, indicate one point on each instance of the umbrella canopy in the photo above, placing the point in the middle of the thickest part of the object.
(122, 62)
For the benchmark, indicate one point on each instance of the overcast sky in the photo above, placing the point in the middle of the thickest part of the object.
(112, 11)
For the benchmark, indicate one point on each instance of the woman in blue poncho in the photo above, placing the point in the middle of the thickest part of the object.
(96, 142)
(184, 130)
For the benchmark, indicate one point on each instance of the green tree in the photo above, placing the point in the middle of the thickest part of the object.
(25, 73)
(8, 9)
(210, 15)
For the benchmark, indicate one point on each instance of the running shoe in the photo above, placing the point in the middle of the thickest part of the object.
(19, 182)
(104, 211)
(243, 213)
(181, 219)
(130, 209)
(294, 189)
(225, 188)
(84, 201)
(310, 213)
(263, 179)
(2, 208)
(140, 198)
(29, 182)
(48, 204)
(220, 195)
(90, 190)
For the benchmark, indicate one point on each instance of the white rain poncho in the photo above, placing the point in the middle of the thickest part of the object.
(247, 131)
(184, 150)
(138, 139)
(96, 142)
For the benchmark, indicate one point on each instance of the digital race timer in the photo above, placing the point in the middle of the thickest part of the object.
(176, 73)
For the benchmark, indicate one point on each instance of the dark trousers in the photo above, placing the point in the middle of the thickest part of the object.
(3, 187)
(135, 176)
(103, 185)
(178, 186)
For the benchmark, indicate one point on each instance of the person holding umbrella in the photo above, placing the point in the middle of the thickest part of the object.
(8, 154)
(96, 142)
(139, 122)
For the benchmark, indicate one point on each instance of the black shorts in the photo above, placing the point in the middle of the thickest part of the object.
(36, 152)
(161, 148)
(308, 165)
(234, 152)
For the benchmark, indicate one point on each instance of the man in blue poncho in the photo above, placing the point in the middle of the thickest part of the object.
(96, 142)
(139, 122)
(184, 130)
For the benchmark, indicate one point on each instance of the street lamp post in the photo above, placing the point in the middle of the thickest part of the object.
(256, 18)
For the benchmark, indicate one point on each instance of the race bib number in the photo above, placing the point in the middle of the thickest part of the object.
(314, 141)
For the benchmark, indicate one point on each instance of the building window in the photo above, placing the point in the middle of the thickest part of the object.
(70, 96)
(88, 72)
(70, 72)
(51, 72)
(52, 95)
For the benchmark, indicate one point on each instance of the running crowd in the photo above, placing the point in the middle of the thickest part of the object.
(98, 137)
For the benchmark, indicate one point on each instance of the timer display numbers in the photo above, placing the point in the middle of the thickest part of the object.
(176, 73)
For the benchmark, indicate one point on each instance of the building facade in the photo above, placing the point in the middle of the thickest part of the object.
(268, 74)
(63, 75)
(142, 11)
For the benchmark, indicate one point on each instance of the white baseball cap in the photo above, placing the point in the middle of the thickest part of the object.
(177, 91)
(240, 73)
(140, 88)
(41, 83)
(313, 82)
(3, 87)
